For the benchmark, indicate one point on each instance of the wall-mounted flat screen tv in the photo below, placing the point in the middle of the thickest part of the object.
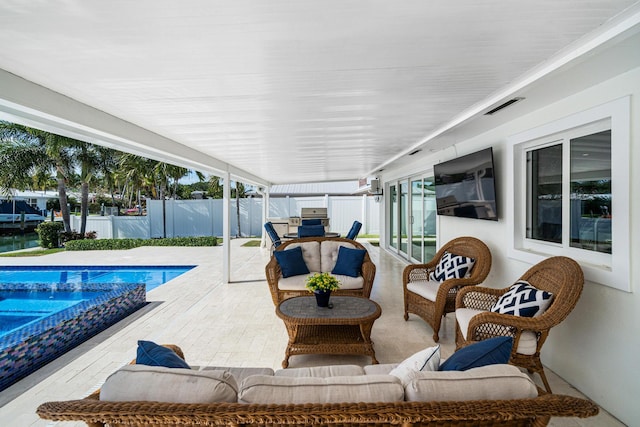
(465, 186)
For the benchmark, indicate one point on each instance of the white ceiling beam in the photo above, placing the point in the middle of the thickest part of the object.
(30, 104)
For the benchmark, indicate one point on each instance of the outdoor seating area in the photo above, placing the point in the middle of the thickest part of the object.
(294, 260)
(217, 325)
(144, 393)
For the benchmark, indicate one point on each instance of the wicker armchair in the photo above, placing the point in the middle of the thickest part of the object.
(430, 310)
(561, 276)
(274, 273)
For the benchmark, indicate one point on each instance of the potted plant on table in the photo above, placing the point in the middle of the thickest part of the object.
(321, 284)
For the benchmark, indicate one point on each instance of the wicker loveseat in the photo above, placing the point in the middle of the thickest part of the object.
(331, 387)
(320, 255)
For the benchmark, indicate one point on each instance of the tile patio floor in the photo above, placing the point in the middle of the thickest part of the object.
(218, 324)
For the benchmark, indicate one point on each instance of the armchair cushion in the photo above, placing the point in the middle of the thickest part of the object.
(526, 345)
(452, 266)
(522, 299)
(152, 354)
(425, 288)
(488, 352)
(291, 262)
(349, 262)
(425, 360)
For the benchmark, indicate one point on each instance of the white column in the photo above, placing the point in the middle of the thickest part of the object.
(265, 215)
(365, 223)
(226, 228)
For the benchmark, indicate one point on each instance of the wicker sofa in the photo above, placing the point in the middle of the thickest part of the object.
(343, 395)
(320, 255)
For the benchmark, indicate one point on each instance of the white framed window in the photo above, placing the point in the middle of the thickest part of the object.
(569, 192)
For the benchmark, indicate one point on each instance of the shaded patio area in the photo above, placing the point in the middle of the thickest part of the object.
(219, 324)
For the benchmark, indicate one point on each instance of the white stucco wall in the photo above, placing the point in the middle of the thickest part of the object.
(596, 348)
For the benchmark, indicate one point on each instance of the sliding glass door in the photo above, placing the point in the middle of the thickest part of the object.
(412, 218)
(393, 217)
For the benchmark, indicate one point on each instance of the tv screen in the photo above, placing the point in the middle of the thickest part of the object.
(465, 186)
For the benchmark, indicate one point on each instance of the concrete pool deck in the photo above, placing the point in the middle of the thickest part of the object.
(218, 324)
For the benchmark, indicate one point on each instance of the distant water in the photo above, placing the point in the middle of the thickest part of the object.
(18, 241)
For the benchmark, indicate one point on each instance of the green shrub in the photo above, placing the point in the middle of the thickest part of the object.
(112, 244)
(49, 233)
(103, 244)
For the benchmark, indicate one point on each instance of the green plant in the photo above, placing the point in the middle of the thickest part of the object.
(322, 282)
(49, 233)
(115, 244)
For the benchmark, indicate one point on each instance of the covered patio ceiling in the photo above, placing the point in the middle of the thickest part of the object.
(287, 91)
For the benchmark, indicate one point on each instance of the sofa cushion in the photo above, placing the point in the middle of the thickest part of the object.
(425, 288)
(329, 253)
(488, 352)
(349, 262)
(487, 382)
(528, 339)
(321, 371)
(237, 372)
(310, 253)
(379, 369)
(291, 262)
(424, 360)
(522, 299)
(175, 385)
(452, 266)
(152, 354)
(285, 390)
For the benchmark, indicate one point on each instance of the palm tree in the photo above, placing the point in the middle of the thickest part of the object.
(26, 152)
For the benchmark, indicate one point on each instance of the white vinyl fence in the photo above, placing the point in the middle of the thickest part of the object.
(182, 218)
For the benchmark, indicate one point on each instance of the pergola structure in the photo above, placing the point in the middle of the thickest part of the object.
(282, 92)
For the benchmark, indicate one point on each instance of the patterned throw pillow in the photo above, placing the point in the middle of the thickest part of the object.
(522, 299)
(452, 267)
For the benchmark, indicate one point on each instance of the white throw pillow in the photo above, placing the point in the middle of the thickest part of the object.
(425, 360)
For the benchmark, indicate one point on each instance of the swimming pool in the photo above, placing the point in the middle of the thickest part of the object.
(46, 311)
(152, 276)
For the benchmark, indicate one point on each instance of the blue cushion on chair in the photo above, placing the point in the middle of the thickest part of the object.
(152, 354)
(349, 262)
(311, 231)
(313, 221)
(488, 352)
(291, 262)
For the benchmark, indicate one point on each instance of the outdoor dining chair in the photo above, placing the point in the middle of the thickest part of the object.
(355, 229)
(273, 235)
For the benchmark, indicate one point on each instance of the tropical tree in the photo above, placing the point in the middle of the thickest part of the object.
(26, 152)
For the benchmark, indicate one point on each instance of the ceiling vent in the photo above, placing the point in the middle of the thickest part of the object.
(503, 106)
(415, 152)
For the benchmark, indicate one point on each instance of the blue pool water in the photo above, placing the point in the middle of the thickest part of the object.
(152, 276)
(24, 306)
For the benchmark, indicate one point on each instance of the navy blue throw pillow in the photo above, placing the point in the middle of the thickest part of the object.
(349, 262)
(291, 262)
(488, 352)
(152, 354)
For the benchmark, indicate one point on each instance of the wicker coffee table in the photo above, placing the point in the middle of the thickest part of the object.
(343, 329)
